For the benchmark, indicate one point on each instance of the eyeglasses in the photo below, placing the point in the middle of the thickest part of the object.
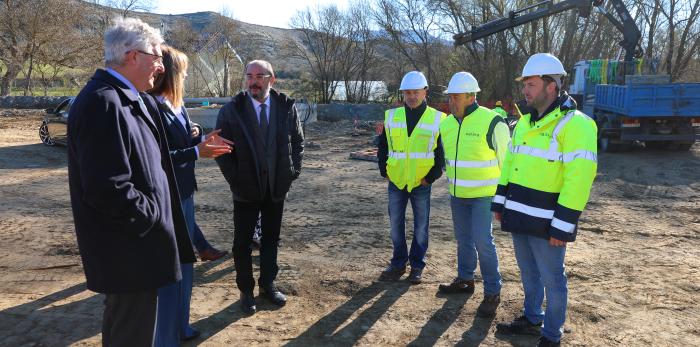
(250, 77)
(156, 57)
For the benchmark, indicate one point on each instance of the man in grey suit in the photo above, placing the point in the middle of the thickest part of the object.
(269, 144)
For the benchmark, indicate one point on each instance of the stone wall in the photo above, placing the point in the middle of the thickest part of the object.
(36, 102)
(336, 111)
(206, 116)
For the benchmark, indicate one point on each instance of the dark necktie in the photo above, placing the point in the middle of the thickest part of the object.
(263, 120)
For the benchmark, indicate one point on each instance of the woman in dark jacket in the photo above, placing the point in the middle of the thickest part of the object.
(185, 149)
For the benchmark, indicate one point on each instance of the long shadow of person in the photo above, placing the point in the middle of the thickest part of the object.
(323, 332)
(48, 322)
(216, 322)
(518, 340)
(32, 156)
(202, 274)
(441, 320)
(477, 332)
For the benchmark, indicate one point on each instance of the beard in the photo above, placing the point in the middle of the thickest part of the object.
(539, 99)
(258, 92)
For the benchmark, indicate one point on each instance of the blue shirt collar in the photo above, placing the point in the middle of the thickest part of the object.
(123, 79)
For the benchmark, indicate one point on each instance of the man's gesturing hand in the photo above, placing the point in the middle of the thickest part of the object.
(214, 145)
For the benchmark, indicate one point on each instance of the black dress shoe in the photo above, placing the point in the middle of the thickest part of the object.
(273, 294)
(248, 303)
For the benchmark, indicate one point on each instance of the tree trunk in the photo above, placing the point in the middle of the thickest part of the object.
(226, 79)
(6, 82)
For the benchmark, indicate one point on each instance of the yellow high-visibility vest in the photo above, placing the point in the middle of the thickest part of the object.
(501, 111)
(471, 165)
(411, 157)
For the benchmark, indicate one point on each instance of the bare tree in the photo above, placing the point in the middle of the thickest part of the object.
(413, 29)
(357, 65)
(127, 7)
(323, 46)
(30, 34)
(213, 56)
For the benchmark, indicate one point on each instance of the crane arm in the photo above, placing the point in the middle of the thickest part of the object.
(546, 8)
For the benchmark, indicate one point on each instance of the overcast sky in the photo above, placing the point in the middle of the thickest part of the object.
(275, 13)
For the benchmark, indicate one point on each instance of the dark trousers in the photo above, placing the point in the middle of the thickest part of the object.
(245, 217)
(129, 319)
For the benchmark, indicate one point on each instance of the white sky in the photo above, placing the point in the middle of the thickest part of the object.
(274, 13)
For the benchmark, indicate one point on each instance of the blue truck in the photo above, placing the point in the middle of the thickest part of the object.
(663, 116)
(646, 108)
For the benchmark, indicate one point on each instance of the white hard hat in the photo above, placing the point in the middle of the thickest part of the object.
(462, 82)
(413, 80)
(542, 64)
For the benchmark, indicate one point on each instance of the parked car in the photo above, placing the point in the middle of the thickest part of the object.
(53, 129)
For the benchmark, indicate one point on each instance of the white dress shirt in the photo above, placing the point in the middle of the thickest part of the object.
(256, 107)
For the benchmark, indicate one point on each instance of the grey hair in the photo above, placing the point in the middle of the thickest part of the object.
(263, 63)
(127, 34)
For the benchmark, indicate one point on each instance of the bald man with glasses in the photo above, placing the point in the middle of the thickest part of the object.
(269, 144)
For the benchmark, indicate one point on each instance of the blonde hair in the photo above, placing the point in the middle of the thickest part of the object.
(171, 83)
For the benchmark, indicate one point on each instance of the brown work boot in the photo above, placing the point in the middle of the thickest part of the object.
(211, 254)
(488, 306)
(392, 274)
(458, 285)
(416, 276)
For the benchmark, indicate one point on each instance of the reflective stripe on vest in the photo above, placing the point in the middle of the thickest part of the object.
(563, 226)
(472, 164)
(529, 210)
(421, 155)
(472, 183)
(552, 154)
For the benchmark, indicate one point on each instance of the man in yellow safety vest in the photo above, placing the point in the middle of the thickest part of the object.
(410, 158)
(499, 109)
(544, 187)
(475, 140)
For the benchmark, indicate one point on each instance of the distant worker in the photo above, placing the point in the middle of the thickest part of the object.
(410, 157)
(544, 187)
(475, 140)
(499, 109)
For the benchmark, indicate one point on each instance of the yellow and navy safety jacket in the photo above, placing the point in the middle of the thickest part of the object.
(411, 157)
(548, 173)
(470, 157)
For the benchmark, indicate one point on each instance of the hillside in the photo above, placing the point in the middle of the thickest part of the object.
(255, 41)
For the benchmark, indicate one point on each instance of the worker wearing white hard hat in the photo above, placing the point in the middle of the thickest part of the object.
(475, 140)
(542, 191)
(410, 158)
(543, 64)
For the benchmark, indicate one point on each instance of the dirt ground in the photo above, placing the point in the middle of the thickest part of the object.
(633, 273)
